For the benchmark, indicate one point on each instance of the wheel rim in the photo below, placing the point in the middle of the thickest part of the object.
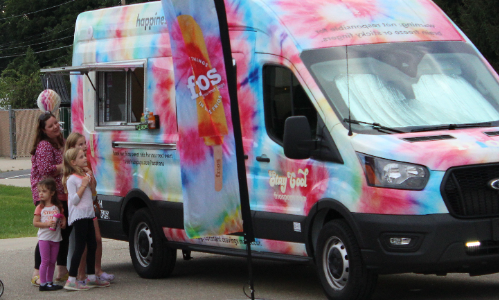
(335, 263)
(143, 245)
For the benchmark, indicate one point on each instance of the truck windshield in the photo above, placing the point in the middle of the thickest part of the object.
(407, 85)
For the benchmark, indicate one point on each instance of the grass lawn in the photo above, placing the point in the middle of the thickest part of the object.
(16, 212)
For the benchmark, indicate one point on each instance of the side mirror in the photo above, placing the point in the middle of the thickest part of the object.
(298, 143)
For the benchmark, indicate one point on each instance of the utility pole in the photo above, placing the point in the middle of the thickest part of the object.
(123, 2)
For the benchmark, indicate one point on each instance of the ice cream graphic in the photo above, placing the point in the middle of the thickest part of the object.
(212, 123)
(48, 100)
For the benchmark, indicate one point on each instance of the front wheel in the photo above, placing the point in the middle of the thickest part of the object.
(339, 264)
(151, 257)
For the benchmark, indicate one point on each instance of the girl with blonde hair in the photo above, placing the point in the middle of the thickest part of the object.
(77, 140)
(81, 213)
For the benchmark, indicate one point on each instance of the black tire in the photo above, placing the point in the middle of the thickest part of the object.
(339, 264)
(151, 256)
(1, 288)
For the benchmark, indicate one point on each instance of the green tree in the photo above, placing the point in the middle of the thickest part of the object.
(479, 20)
(43, 30)
(20, 82)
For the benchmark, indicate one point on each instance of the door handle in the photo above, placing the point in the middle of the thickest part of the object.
(263, 158)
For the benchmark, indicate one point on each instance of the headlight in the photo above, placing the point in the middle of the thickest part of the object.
(393, 174)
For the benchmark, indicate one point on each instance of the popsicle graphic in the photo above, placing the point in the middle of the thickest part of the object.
(212, 123)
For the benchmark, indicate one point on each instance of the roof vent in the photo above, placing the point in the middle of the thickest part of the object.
(429, 138)
(492, 133)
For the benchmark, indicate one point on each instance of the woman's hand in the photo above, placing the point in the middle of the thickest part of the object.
(59, 169)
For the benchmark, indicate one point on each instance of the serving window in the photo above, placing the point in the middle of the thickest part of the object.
(120, 97)
(118, 88)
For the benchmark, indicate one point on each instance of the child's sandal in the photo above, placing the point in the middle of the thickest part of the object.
(64, 278)
(34, 279)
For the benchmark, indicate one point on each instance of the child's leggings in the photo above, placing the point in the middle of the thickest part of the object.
(48, 252)
(62, 258)
(84, 232)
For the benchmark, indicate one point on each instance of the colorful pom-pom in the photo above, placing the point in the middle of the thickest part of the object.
(49, 100)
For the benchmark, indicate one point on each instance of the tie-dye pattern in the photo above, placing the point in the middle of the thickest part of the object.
(270, 32)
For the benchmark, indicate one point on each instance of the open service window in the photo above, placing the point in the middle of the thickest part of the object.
(120, 96)
(119, 90)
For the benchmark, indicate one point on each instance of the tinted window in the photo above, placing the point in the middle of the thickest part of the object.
(285, 97)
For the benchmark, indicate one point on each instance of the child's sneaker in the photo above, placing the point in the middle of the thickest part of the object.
(106, 277)
(97, 283)
(76, 286)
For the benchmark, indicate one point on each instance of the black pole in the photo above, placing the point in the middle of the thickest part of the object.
(241, 167)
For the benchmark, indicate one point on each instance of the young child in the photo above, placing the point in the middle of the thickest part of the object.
(81, 213)
(49, 219)
(77, 140)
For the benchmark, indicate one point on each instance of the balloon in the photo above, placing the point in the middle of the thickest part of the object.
(48, 100)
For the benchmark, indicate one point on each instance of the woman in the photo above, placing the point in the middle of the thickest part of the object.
(47, 159)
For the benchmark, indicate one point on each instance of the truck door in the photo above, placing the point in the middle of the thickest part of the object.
(281, 185)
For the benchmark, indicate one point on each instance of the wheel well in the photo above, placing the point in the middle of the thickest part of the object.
(133, 205)
(332, 215)
(320, 219)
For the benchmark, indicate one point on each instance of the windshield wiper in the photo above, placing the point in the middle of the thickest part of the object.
(453, 126)
(376, 126)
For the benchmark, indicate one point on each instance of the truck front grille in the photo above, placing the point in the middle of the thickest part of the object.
(467, 191)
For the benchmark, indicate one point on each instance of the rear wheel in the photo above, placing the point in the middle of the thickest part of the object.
(339, 264)
(151, 256)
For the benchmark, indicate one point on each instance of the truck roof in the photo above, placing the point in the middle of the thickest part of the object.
(140, 30)
(320, 24)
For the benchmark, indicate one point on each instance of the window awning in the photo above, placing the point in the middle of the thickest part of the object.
(81, 70)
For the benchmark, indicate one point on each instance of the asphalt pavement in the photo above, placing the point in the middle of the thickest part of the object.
(210, 276)
(15, 172)
(206, 276)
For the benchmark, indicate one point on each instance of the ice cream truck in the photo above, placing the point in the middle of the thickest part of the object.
(370, 132)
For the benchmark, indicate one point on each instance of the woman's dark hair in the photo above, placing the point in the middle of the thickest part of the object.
(41, 136)
(49, 183)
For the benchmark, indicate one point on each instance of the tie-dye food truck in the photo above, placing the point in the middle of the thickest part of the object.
(370, 132)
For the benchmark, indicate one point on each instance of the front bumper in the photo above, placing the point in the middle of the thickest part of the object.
(438, 247)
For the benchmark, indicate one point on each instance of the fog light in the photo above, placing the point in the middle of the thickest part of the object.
(473, 244)
(400, 241)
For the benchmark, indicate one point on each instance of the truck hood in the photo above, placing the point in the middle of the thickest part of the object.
(438, 150)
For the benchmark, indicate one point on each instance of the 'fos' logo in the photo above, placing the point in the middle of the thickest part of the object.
(204, 82)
